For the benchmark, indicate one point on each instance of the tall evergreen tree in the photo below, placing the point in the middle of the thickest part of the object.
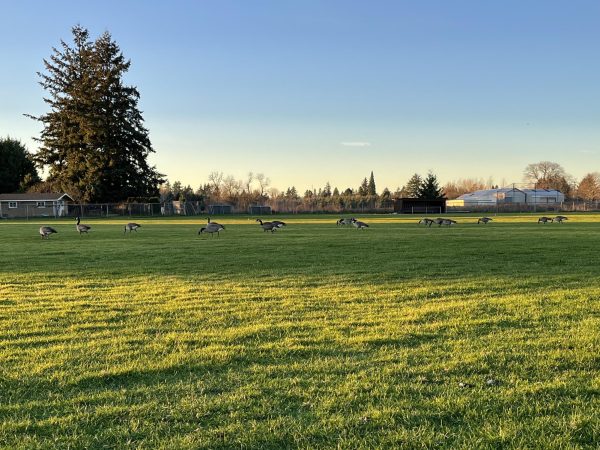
(386, 198)
(371, 186)
(430, 188)
(94, 139)
(413, 186)
(293, 193)
(363, 189)
(17, 170)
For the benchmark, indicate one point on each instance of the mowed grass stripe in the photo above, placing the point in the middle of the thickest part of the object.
(310, 337)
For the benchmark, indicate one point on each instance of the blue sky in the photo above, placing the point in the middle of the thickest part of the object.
(315, 91)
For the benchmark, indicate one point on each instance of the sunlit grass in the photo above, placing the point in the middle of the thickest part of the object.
(313, 337)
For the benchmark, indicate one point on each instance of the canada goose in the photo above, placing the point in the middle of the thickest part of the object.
(267, 226)
(560, 219)
(427, 222)
(209, 221)
(131, 226)
(212, 227)
(45, 232)
(484, 220)
(447, 222)
(359, 225)
(544, 219)
(438, 221)
(343, 222)
(278, 223)
(81, 228)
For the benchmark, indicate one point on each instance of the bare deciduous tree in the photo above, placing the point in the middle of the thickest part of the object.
(248, 183)
(454, 189)
(273, 192)
(216, 179)
(589, 187)
(263, 182)
(544, 170)
(549, 175)
(231, 187)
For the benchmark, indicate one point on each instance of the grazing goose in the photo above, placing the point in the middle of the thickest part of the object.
(427, 222)
(81, 228)
(45, 232)
(343, 222)
(209, 221)
(484, 220)
(212, 227)
(359, 225)
(447, 222)
(131, 226)
(267, 226)
(560, 219)
(278, 223)
(544, 219)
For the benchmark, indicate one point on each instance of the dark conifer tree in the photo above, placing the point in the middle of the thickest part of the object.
(413, 186)
(363, 189)
(430, 188)
(17, 170)
(94, 142)
(371, 186)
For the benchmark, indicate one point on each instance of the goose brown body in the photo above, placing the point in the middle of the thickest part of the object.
(46, 231)
(212, 227)
(81, 228)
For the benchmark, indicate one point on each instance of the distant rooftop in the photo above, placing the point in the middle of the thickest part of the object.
(35, 196)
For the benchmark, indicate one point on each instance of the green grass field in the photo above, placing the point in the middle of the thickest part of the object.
(311, 337)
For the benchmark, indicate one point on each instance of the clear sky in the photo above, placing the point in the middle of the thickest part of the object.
(311, 91)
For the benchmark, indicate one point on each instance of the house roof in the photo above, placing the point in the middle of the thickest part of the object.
(487, 194)
(542, 192)
(35, 196)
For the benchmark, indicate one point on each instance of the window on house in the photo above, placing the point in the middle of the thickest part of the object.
(41, 204)
(12, 204)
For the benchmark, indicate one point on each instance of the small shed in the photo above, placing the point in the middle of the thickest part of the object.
(257, 210)
(419, 206)
(219, 209)
(34, 205)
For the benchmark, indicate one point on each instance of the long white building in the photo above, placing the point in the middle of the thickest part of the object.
(492, 197)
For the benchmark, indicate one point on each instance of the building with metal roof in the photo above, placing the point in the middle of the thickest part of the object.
(492, 197)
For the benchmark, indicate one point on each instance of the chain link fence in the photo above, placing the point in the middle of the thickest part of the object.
(192, 208)
(567, 206)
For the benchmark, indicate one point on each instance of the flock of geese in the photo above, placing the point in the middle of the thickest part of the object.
(214, 227)
(484, 220)
(46, 231)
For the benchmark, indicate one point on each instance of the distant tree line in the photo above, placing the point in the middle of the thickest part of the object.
(256, 189)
